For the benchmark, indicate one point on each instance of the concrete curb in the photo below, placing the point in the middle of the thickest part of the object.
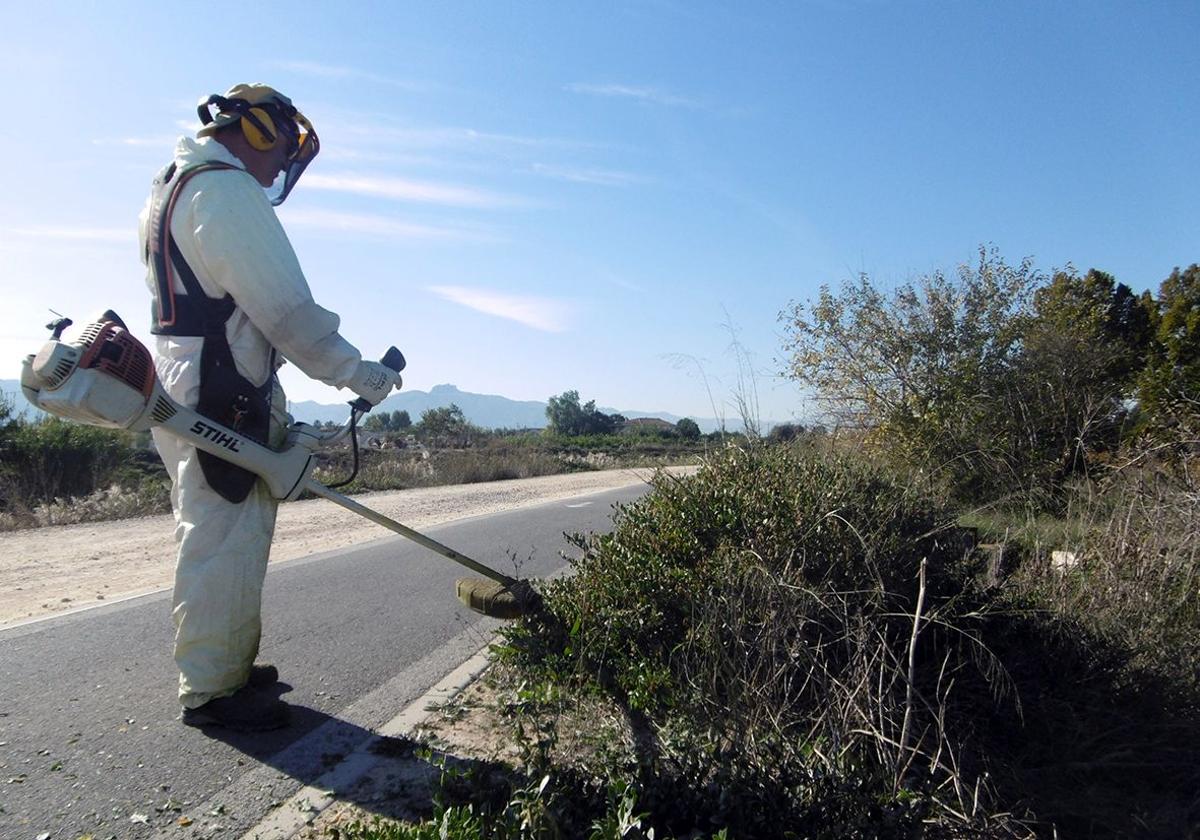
(307, 803)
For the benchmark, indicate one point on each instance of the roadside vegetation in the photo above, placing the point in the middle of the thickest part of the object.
(970, 610)
(55, 472)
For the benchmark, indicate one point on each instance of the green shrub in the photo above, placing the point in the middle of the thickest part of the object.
(57, 459)
(757, 618)
(803, 649)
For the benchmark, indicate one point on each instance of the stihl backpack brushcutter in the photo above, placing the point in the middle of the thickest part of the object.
(105, 377)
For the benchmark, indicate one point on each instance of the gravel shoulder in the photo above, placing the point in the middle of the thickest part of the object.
(48, 570)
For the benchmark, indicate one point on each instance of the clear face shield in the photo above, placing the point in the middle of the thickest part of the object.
(303, 146)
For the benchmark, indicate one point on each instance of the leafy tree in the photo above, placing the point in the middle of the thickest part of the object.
(445, 425)
(996, 377)
(918, 367)
(395, 421)
(1082, 348)
(1106, 314)
(1170, 385)
(688, 429)
(566, 416)
(399, 420)
(785, 432)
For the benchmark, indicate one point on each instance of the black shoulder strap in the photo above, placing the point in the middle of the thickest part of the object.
(195, 313)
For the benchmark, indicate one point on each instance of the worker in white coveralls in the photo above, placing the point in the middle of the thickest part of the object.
(230, 303)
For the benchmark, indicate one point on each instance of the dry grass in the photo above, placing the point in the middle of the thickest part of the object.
(115, 502)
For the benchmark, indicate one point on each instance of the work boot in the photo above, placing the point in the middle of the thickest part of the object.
(263, 676)
(245, 711)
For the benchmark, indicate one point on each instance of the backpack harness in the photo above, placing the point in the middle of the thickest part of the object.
(226, 396)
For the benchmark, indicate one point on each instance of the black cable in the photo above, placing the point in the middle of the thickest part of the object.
(354, 415)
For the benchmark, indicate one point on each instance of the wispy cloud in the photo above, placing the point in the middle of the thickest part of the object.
(422, 192)
(451, 137)
(162, 141)
(121, 236)
(333, 71)
(544, 314)
(374, 225)
(621, 282)
(603, 177)
(157, 141)
(650, 95)
(344, 155)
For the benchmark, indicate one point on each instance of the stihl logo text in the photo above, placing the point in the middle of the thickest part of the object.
(216, 436)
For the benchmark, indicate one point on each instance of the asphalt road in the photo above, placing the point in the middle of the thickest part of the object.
(90, 741)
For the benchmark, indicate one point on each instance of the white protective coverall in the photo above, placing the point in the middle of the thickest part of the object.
(229, 235)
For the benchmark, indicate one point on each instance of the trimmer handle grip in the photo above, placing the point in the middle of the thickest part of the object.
(393, 359)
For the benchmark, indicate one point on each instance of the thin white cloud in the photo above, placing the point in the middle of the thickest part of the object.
(603, 177)
(401, 189)
(163, 141)
(344, 155)
(122, 235)
(451, 137)
(650, 95)
(159, 141)
(333, 71)
(623, 283)
(544, 314)
(374, 225)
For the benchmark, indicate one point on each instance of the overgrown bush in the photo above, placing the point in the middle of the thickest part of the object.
(54, 471)
(801, 643)
(787, 627)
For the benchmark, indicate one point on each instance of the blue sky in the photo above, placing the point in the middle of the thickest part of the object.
(528, 198)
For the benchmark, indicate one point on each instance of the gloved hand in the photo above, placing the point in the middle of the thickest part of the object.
(373, 381)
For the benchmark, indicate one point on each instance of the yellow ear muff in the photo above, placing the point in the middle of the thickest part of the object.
(254, 135)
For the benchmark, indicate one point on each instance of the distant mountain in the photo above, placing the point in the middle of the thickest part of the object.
(486, 410)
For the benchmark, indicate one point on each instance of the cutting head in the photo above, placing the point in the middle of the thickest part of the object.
(497, 600)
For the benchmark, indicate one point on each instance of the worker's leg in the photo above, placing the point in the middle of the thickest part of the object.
(221, 564)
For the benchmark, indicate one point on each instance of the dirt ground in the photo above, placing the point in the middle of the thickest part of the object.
(49, 570)
(475, 730)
